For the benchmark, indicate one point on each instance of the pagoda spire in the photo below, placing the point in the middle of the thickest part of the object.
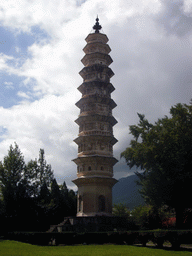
(97, 26)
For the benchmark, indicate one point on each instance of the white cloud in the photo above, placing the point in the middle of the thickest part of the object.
(9, 85)
(3, 61)
(47, 123)
(23, 95)
(187, 7)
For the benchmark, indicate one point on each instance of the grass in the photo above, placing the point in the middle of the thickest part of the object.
(13, 248)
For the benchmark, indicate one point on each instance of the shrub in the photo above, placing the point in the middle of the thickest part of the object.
(169, 222)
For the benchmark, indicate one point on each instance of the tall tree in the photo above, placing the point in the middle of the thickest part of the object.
(45, 173)
(72, 202)
(39, 172)
(164, 152)
(55, 193)
(64, 190)
(12, 178)
(44, 194)
(69, 199)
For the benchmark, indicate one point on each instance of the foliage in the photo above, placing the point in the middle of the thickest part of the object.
(120, 210)
(169, 222)
(64, 189)
(12, 179)
(72, 202)
(164, 152)
(141, 216)
(40, 173)
(148, 217)
(55, 192)
(44, 195)
(31, 190)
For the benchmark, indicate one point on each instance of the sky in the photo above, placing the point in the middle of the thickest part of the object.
(41, 46)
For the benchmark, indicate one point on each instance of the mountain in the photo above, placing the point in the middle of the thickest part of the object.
(126, 191)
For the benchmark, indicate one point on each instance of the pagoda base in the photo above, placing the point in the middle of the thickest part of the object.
(93, 214)
(90, 224)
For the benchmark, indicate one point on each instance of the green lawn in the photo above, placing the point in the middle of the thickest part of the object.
(13, 248)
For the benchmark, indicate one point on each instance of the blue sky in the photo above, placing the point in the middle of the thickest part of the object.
(41, 46)
(15, 44)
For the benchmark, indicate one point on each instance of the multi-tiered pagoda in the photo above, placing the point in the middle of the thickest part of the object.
(95, 141)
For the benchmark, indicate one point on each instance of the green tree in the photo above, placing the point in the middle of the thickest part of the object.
(141, 216)
(72, 202)
(164, 152)
(64, 190)
(55, 193)
(44, 195)
(120, 210)
(149, 217)
(39, 172)
(69, 199)
(12, 179)
(16, 203)
(63, 202)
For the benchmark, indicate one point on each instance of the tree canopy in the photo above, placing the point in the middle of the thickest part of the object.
(30, 198)
(39, 173)
(164, 152)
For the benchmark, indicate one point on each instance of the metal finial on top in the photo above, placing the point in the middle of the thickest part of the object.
(97, 26)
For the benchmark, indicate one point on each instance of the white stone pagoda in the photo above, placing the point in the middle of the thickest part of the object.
(95, 140)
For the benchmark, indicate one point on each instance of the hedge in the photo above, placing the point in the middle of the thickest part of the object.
(158, 237)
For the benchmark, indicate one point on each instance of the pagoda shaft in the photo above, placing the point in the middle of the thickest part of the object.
(95, 141)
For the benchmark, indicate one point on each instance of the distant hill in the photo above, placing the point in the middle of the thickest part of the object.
(126, 191)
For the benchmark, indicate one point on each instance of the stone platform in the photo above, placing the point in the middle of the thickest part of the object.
(90, 224)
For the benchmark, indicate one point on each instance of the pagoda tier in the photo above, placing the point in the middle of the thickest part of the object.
(95, 165)
(95, 105)
(93, 47)
(92, 58)
(94, 100)
(96, 72)
(96, 87)
(95, 144)
(95, 140)
(96, 38)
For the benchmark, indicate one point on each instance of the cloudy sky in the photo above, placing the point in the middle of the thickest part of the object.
(41, 46)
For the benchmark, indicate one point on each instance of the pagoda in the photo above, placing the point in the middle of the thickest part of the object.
(95, 140)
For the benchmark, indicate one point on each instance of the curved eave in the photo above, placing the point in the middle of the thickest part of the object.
(98, 56)
(96, 45)
(97, 37)
(96, 68)
(86, 85)
(96, 117)
(94, 158)
(96, 98)
(87, 138)
(95, 180)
